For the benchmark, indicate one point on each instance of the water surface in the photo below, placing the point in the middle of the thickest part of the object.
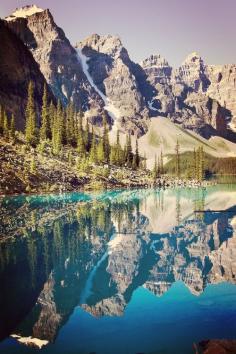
(140, 271)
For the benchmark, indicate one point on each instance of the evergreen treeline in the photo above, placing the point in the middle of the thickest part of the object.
(199, 165)
(63, 126)
(189, 165)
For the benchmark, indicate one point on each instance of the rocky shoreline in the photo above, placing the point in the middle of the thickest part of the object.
(51, 174)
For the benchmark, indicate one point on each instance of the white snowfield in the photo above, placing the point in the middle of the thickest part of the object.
(24, 12)
(113, 112)
(150, 105)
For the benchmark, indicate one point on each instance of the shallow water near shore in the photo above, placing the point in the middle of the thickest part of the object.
(125, 271)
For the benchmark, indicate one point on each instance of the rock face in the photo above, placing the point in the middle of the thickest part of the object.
(17, 68)
(188, 96)
(99, 74)
(57, 59)
(223, 87)
(114, 74)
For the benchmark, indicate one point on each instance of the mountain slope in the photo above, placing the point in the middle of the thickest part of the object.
(98, 74)
(113, 73)
(17, 68)
(163, 134)
(184, 96)
(56, 57)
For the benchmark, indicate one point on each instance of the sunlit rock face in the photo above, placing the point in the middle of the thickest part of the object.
(57, 59)
(192, 73)
(223, 87)
(116, 77)
(187, 95)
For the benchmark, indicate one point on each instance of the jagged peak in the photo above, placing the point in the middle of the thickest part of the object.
(154, 60)
(24, 12)
(107, 44)
(193, 57)
(98, 40)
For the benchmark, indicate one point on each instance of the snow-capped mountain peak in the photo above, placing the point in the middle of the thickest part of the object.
(24, 12)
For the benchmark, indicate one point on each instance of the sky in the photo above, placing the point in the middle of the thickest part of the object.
(172, 28)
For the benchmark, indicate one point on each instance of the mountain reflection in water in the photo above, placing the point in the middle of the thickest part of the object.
(94, 251)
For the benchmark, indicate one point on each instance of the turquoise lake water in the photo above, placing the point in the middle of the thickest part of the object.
(118, 272)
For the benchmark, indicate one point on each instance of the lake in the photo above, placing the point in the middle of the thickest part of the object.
(118, 272)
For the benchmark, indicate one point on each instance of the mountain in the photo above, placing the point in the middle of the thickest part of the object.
(17, 68)
(113, 74)
(188, 96)
(98, 74)
(162, 135)
(57, 59)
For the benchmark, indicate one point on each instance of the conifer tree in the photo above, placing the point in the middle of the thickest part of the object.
(155, 169)
(100, 151)
(63, 126)
(30, 117)
(200, 166)
(80, 145)
(32, 165)
(1, 120)
(80, 122)
(81, 149)
(158, 167)
(69, 124)
(5, 125)
(145, 161)
(57, 130)
(195, 164)
(118, 150)
(161, 164)
(93, 150)
(128, 151)
(75, 127)
(106, 143)
(70, 159)
(136, 158)
(51, 115)
(45, 125)
(177, 160)
(113, 155)
(87, 136)
(12, 127)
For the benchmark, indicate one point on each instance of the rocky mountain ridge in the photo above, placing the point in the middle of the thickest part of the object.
(57, 59)
(98, 74)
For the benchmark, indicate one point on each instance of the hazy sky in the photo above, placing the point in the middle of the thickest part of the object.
(172, 28)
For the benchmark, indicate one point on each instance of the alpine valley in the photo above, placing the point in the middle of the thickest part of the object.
(117, 193)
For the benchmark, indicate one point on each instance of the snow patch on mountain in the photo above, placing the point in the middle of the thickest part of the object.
(150, 105)
(24, 12)
(113, 112)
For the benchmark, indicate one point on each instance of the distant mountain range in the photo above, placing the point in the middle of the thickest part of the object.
(98, 74)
